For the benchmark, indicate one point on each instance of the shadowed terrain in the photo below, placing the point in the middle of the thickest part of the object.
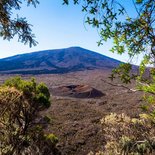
(56, 61)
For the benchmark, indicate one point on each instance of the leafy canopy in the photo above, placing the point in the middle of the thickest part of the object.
(132, 34)
(19, 26)
(115, 21)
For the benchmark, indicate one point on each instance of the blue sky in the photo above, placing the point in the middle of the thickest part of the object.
(57, 26)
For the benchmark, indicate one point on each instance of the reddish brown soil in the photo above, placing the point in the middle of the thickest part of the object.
(77, 91)
(76, 121)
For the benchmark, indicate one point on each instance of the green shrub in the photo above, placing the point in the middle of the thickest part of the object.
(36, 93)
(51, 138)
(21, 131)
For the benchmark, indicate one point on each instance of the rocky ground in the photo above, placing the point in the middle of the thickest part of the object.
(76, 120)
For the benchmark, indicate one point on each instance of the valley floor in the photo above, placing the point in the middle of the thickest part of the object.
(76, 121)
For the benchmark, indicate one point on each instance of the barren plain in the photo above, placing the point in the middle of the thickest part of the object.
(76, 119)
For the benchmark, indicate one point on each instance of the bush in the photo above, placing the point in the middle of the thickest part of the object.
(128, 136)
(21, 129)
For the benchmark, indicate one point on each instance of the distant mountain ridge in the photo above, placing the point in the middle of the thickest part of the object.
(56, 61)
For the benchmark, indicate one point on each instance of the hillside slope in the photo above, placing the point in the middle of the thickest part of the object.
(56, 61)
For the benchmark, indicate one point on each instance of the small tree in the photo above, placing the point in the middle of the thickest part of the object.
(21, 126)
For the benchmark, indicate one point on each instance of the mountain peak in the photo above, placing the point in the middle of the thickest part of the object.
(56, 61)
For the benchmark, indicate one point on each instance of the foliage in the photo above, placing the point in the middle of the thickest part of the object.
(133, 34)
(130, 25)
(132, 136)
(128, 136)
(123, 72)
(37, 94)
(10, 27)
(22, 130)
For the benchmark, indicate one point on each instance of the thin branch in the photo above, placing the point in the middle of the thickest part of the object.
(120, 85)
(136, 8)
